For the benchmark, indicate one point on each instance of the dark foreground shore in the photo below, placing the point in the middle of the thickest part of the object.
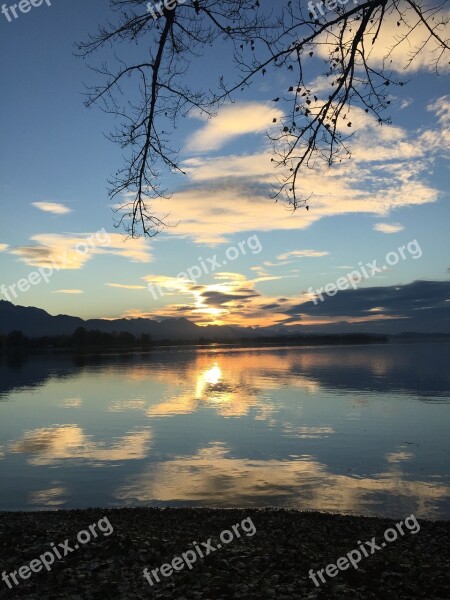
(272, 562)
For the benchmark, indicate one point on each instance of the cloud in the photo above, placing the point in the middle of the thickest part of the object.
(233, 121)
(52, 207)
(217, 298)
(231, 299)
(441, 107)
(388, 227)
(405, 102)
(403, 42)
(302, 254)
(73, 251)
(68, 292)
(206, 169)
(439, 139)
(3, 247)
(124, 286)
(421, 305)
(227, 195)
(246, 205)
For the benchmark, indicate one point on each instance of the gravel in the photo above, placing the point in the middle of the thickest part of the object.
(271, 564)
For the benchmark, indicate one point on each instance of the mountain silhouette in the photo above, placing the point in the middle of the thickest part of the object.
(35, 322)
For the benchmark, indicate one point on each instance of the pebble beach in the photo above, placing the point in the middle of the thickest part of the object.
(274, 562)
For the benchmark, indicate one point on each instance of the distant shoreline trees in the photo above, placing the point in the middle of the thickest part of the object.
(79, 339)
(82, 339)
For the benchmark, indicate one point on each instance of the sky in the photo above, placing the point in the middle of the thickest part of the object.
(244, 259)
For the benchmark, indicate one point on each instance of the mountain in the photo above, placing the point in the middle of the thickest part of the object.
(35, 322)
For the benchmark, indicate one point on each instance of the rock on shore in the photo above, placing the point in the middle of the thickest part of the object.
(271, 564)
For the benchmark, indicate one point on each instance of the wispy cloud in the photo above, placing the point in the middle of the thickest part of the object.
(73, 251)
(124, 286)
(68, 292)
(233, 121)
(404, 42)
(388, 227)
(302, 254)
(3, 247)
(52, 207)
(231, 194)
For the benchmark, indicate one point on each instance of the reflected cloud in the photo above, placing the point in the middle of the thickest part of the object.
(306, 432)
(71, 402)
(126, 405)
(266, 426)
(50, 445)
(51, 497)
(399, 456)
(212, 477)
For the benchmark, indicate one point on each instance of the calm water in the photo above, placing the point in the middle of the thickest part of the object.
(362, 429)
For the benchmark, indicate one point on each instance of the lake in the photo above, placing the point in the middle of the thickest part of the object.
(349, 429)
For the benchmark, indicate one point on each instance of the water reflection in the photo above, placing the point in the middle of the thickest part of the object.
(51, 497)
(51, 445)
(420, 368)
(344, 429)
(212, 477)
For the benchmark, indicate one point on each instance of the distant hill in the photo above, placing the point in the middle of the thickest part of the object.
(35, 322)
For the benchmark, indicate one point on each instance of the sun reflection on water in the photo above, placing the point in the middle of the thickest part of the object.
(213, 375)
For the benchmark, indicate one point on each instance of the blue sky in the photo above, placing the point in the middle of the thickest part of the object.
(56, 162)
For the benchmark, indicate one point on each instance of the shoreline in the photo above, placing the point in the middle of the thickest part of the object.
(245, 344)
(273, 562)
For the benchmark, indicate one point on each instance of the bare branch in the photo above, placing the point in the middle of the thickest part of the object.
(150, 95)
